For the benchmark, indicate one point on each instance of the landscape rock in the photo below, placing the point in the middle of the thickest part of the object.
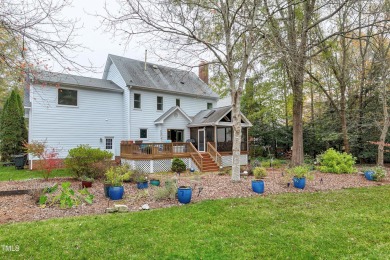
(145, 207)
(111, 210)
(121, 208)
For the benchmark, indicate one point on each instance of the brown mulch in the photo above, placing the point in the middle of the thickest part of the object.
(18, 208)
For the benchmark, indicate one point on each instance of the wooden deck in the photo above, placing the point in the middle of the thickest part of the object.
(153, 151)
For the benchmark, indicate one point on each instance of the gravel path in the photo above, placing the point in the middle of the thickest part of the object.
(18, 208)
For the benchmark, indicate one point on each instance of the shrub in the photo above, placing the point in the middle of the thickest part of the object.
(178, 165)
(91, 162)
(259, 172)
(302, 171)
(116, 175)
(379, 173)
(48, 158)
(335, 162)
(167, 192)
(13, 131)
(139, 176)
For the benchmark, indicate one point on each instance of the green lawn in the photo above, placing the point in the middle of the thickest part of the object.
(10, 173)
(346, 224)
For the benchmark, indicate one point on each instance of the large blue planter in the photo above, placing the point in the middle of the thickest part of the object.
(184, 194)
(369, 175)
(142, 185)
(258, 186)
(116, 193)
(299, 182)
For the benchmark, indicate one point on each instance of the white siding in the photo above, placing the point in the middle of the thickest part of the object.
(114, 75)
(145, 117)
(98, 115)
(172, 122)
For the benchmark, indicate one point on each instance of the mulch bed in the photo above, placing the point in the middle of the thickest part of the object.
(17, 208)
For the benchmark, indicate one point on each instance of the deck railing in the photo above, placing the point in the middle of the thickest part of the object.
(155, 150)
(214, 153)
(196, 156)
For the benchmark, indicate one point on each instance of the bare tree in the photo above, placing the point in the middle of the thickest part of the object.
(226, 30)
(39, 32)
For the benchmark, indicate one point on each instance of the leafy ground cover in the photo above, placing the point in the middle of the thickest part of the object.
(349, 223)
(9, 173)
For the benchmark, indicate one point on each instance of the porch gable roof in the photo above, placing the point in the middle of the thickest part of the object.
(212, 117)
(169, 112)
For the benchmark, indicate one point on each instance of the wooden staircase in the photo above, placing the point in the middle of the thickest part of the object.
(209, 165)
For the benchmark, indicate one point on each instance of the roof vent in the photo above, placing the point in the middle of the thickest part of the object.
(182, 82)
(155, 66)
(209, 114)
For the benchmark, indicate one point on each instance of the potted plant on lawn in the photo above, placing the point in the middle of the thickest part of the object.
(115, 177)
(375, 174)
(300, 173)
(86, 182)
(141, 179)
(184, 194)
(258, 182)
(178, 165)
(154, 182)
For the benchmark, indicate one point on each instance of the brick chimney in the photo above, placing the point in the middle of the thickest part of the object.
(204, 71)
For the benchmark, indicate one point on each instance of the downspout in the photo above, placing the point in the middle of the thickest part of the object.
(129, 109)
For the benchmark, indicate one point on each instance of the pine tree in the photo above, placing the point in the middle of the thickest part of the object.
(12, 127)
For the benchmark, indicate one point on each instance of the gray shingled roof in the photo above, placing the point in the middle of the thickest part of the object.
(161, 78)
(212, 117)
(168, 113)
(73, 80)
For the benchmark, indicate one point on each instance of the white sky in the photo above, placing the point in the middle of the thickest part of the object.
(99, 43)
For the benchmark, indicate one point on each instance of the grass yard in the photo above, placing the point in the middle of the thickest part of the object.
(352, 223)
(11, 174)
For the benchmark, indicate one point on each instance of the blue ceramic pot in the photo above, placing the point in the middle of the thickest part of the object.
(155, 182)
(258, 186)
(116, 193)
(142, 185)
(299, 182)
(184, 194)
(369, 175)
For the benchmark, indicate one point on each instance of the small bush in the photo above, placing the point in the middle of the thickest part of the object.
(379, 173)
(302, 171)
(178, 165)
(91, 162)
(259, 172)
(167, 192)
(335, 162)
(116, 175)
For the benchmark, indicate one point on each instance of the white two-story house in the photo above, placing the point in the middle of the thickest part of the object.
(143, 113)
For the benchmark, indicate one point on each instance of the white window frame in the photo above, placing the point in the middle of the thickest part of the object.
(140, 101)
(162, 103)
(62, 105)
(143, 138)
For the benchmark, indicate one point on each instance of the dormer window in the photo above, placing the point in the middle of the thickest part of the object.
(160, 102)
(67, 97)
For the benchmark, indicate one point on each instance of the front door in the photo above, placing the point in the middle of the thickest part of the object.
(201, 141)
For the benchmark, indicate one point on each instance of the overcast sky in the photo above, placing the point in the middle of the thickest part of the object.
(99, 43)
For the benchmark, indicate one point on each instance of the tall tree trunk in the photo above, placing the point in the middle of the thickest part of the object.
(343, 119)
(236, 118)
(386, 124)
(297, 151)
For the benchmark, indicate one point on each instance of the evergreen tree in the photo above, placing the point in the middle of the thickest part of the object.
(12, 127)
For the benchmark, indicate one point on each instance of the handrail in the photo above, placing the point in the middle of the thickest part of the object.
(195, 153)
(214, 154)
